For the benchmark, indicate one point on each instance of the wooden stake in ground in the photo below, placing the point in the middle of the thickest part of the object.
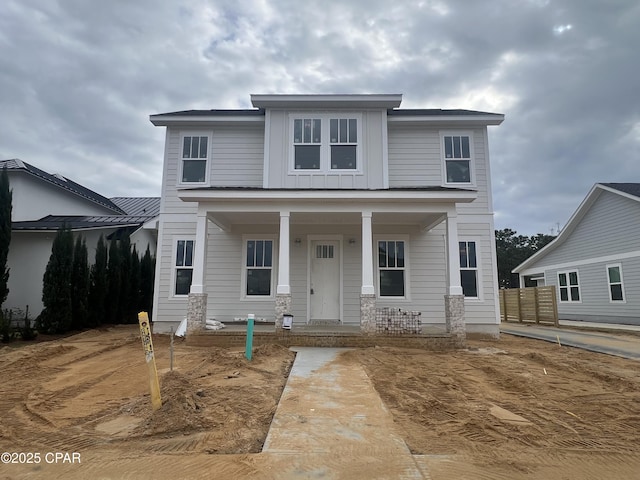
(147, 345)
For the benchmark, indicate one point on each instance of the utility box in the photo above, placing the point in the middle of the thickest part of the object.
(287, 321)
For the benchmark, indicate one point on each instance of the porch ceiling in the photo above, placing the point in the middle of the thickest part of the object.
(226, 220)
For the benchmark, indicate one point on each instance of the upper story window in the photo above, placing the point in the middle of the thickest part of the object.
(343, 138)
(194, 159)
(307, 139)
(326, 143)
(457, 158)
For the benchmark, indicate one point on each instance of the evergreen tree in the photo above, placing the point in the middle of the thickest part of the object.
(98, 287)
(126, 299)
(114, 284)
(147, 273)
(134, 287)
(80, 285)
(57, 289)
(5, 232)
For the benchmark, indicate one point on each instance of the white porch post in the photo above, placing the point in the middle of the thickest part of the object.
(283, 289)
(367, 255)
(454, 310)
(454, 286)
(367, 292)
(283, 258)
(199, 254)
(197, 301)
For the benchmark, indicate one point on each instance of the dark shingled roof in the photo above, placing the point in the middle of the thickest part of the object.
(61, 182)
(629, 188)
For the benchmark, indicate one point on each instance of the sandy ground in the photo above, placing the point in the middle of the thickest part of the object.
(510, 409)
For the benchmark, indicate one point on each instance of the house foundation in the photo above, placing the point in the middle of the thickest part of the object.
(454, 317)
(196, 312)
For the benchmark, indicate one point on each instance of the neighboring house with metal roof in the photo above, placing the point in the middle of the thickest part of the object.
(42, 203)
(595, 261)
(326, 207)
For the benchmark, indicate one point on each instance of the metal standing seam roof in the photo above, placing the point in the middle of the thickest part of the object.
(61, 182)
(78, 222)
(141, 206)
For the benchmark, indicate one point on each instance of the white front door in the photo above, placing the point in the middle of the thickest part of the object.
(325, 281)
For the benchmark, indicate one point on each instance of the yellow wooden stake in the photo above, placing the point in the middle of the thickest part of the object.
(147, 345)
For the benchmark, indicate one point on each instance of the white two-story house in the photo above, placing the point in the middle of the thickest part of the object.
(326, 207)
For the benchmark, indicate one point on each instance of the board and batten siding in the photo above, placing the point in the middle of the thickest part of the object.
(611, 226)
(371, 170)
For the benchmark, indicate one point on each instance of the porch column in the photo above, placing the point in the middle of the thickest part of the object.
(283, 289)
(454, 298)
(367, 292)
(197, 300)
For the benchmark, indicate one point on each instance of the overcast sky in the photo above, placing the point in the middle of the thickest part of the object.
(79, 79)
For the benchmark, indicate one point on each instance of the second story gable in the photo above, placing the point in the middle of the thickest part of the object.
(327, 142)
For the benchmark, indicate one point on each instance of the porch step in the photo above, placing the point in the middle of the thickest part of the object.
(324, 322)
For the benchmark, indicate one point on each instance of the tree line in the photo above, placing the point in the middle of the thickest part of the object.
(513, 249)
(113, 290)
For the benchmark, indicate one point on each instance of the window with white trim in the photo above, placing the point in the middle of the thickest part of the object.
(343, 139)
(457, 158)
(569, 286)
(194, 159)
(183, 267)
(616, 287)
(307, 140)
(469, 269)
(391, 268)
(258, 268)
(326, 143)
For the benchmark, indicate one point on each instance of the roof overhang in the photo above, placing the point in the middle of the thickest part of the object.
(295, 196)
(446, 120)
(204, 117)
(385, 101)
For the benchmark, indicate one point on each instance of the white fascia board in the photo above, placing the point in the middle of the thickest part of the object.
(580, 212)
(173, 120)
(327, 195)
(445, 120)
(618, 192)
(327, 101)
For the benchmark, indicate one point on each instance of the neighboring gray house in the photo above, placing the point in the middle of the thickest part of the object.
(325, 207)
(42, 203)
(595, 261)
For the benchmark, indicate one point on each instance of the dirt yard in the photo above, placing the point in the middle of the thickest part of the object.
(509, 409)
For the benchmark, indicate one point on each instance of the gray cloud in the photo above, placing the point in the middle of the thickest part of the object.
(79, 79)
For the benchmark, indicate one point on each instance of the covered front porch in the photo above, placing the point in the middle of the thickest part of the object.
(335, 257)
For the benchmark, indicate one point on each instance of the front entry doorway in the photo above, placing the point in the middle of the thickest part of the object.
(324, 282)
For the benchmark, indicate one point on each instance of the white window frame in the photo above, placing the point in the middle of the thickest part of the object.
(207, 160)
(274, 264)
(472, 157)
(568, 286)
(610, 284)
(477, 268)
(175, 268)
(325, 167)
(407, 273)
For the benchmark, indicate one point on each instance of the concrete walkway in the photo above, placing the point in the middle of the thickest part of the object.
(331, 424)
(595, 337)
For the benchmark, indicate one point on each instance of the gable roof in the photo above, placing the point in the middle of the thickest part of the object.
(61, 182)
(627, 190)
